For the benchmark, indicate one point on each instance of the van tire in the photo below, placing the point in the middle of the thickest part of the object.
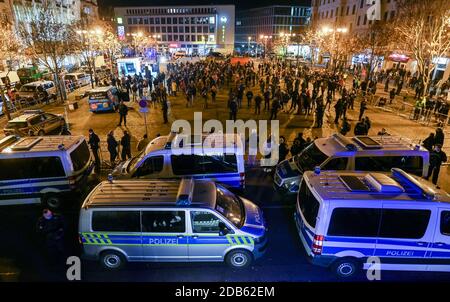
(41, 133)
(347, 267)
(239, 258)
(112, 260)
(52, 201)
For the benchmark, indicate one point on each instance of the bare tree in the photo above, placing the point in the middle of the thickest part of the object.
(375, 43)
(9, 51)
(48, 40)
(423, 27)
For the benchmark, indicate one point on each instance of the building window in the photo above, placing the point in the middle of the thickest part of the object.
(385, 16)
(163, 20)
(392, 14)
(362, 4)
(175, 29)
(181, 29)
(354, 9)
(169, 20)
(186, 29)
(193, 38)
(365, 19)
(174, 20)
(169, 29)
(152, 21)
(359, 19)
(331, 14)
(163, 29)
(348, 9)
(193, 29)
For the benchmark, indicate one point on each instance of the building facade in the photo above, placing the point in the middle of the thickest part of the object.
(351, 14)
(271, 21)
(193, 29)
(354, 15)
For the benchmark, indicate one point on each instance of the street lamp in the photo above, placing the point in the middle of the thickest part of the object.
(249, 39)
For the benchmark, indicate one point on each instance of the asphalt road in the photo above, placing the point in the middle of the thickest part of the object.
(22, 257)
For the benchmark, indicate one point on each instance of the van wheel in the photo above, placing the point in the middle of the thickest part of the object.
(112, 260)
(41, 133)
(346, 267)
(53, 201)
(239, 259)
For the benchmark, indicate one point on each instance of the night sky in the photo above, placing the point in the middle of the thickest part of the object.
(240, 4)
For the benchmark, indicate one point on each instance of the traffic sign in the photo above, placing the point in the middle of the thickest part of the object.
(143, 103)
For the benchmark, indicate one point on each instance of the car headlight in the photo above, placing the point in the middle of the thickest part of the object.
(292, 185)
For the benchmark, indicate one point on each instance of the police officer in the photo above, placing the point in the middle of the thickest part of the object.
(51, 226)
(94, 142)
(126, 145)
(437, 157)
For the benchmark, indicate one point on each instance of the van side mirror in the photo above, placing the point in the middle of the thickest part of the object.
(223, 229)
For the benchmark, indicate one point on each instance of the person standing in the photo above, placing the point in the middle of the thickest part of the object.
(283, 149)
(123, 111)
(338, 108)
(233, 106)
(94, 143)
(213, 93)
(274, 109)
(320, 110)
(439, 137)
(428, 143)
(249, 96)
(112, 147)
(125, 142)
(142, 143)
(362, 108)
(437, 157)
(51, 227)
(267, 100)
(258, 101)
(165, 110)
(345, 126)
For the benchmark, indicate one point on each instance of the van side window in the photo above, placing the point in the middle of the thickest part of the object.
(116, 221)
(339, 163)
(28, 168)
(150, 165)
(411, 164)
(399, 223)
(445, 223)
(200, 164)
(354, 222)
(163, 221)
(204, 222)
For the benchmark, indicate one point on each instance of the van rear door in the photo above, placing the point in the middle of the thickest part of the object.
(404, 237)
(440, 246)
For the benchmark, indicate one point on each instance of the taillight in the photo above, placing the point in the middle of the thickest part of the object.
(242, 178)
(317, 245)
(80, 240)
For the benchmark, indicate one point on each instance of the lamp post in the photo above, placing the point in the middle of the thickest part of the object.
(265, 38)
(249, 39)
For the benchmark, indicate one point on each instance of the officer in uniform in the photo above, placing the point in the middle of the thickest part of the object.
(51, 226)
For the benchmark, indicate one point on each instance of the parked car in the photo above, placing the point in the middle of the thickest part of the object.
(34, 122)
(34, 92)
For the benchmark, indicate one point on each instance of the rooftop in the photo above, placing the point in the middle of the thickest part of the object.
(396, 186)
(148, 193)
(13, 144)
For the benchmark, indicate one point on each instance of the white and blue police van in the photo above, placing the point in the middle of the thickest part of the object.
(359, 153)
(43, 169)
(214, 161)
(345, 217)
(170, 221)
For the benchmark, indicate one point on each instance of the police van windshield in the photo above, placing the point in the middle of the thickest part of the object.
(230, 206)
(310, 158)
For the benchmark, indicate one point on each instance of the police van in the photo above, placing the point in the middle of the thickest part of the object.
(360, 153)
(170, 221)
(160, 160)
(44, 169)
(345, 217)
